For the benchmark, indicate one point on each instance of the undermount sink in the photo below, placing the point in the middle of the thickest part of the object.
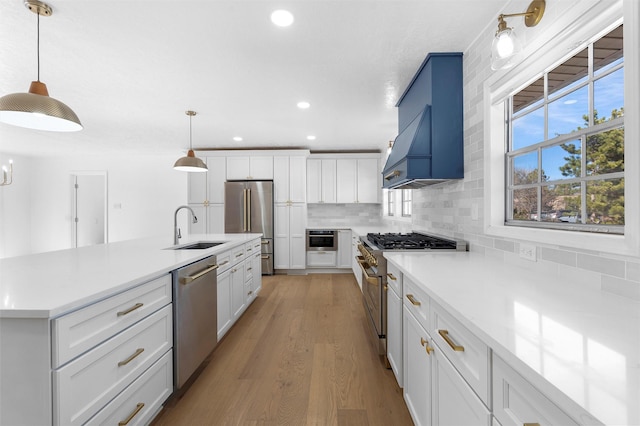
(200, 245)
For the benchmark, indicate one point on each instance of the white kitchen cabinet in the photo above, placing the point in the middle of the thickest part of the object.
(369, 180)
(321, 259)
(250, 168)
(453, 402)
(417, 373)
(238, 300)
(358, 180)
(139, 402)
(210, 219)
(256, 284)
(347, 178)
(289, 236)
(85, 385)
(344, 248)
(321, 180)
(355, 266)
(517, 402)
(208, 188)
(290, 179)
(225, 316)
(394, 322)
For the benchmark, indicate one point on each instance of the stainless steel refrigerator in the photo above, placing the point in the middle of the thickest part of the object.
(248, 208)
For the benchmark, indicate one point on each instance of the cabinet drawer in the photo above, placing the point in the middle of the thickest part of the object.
(224, 261)
(248, 269)
(253, 247)
(87, 384)
(517, 402)
(468, 354)
(417, 302)
(394, 278)
(320, 259)
(238, 254)
(141, 401)
(79, 331)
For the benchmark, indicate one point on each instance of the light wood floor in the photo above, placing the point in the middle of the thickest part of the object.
(300, 355)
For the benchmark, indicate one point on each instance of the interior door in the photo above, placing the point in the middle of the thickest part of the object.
(90, 217)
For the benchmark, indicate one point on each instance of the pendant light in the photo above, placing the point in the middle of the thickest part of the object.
(36, 109)
(190, 163)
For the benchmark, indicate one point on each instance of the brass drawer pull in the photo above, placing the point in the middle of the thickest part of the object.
(413, 300)
(445, 336)
(136, 410)
(531, 424)
(390, 275)
(131, 358)
(223, 263)
(422, 341)
(131, 309)
(240, 254)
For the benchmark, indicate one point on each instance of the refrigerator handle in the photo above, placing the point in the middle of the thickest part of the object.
(248, 210)
(244, 210)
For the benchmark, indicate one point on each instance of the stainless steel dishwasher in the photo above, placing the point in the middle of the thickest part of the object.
(195, 298)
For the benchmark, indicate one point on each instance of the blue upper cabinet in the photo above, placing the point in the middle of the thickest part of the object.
(429, 146)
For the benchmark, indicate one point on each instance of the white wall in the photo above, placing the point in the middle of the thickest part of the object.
(35, 212)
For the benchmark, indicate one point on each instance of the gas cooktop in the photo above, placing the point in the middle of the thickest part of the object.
(412, 241)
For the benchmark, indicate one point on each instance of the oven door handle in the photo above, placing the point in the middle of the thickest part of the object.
(371, 280)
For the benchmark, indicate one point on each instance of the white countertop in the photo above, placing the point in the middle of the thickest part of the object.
(578, 345)
(49, 284)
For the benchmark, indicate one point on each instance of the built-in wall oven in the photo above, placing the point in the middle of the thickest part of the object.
(322, 240)
(374, 273)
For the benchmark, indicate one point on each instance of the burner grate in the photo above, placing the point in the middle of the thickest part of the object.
(410, 241)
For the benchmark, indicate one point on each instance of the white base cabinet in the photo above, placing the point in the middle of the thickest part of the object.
(417, 372)
(344, 248)
(289, 236)
(394, 323)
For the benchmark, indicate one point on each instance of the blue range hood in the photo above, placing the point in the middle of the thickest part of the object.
(429, 149)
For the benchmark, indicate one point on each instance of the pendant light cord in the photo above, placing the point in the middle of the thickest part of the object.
(38, 45)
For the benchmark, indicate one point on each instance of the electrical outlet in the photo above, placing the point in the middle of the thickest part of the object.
(528, 251)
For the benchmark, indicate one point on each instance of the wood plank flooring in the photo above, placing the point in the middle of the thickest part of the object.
(300, 355)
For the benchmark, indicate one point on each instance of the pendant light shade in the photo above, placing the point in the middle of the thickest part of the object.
(190, 163)
(36, 109)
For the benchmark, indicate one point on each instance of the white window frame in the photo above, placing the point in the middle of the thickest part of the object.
(405, 201)
(560, 40)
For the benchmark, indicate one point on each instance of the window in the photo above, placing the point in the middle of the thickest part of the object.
(565, 144)
(406, 202)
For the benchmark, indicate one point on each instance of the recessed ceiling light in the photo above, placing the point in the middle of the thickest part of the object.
(282, 18)
(303, 105)
(237, 138)
(311, 137)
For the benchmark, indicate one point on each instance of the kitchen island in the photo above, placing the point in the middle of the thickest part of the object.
(52, 310)
(544, 345)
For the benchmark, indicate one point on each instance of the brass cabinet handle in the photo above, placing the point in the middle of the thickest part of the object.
(413, 300)
(393, 174)
(131, 358)
(248, 269)
(187, 280)
(390, 275)
(240, 254)
(445, 336)
(425, 343)
(131, 309)
(223, 263)
(136, 410)
(531, 424)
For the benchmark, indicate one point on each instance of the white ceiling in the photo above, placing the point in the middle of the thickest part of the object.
(130, 69)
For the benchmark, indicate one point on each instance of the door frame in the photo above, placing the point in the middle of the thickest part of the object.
(73, 177)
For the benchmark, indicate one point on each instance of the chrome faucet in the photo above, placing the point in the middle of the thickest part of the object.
(176, 230)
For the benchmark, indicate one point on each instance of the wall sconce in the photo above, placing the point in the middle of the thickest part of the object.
(7, 180)
(505, 44)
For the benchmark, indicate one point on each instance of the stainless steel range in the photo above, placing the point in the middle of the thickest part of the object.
(374, 273)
